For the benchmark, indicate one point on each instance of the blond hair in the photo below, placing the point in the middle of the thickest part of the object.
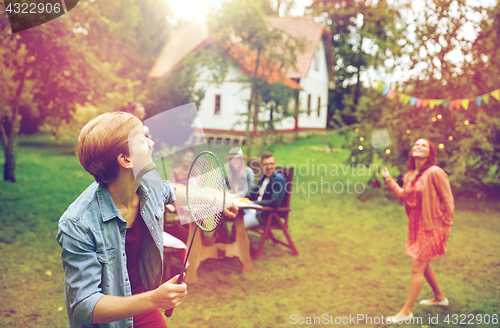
(102, 140)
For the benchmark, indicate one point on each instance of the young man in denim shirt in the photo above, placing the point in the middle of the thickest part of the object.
(111, 236)
(269, 191)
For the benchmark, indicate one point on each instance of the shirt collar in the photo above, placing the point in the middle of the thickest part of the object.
(264, 176)
(107, 205)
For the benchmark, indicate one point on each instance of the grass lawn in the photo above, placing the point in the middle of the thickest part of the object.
(351, 253)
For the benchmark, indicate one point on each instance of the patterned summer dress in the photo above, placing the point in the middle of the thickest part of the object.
(421, 244)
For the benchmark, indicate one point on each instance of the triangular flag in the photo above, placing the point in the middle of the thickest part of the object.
(478, 100)
(425, 102)
(465, 103)
(418, 103)
(391, 94)
(432, 103)
(495, 94)
(407, 99)
(440, 101)
(402, 97)
(486, 98)
(385, 91)
(457, 104)
(445, 104)
(381, 87)
(413, 101)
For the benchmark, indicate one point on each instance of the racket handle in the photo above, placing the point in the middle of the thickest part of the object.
(168, 313)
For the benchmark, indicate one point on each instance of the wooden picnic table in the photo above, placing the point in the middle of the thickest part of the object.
(240, 248)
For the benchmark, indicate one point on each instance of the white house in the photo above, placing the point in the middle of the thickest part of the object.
(223, 104)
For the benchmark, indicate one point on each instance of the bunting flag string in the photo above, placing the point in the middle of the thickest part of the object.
(423, 103)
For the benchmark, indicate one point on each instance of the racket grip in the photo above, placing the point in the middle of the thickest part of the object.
(168, 313)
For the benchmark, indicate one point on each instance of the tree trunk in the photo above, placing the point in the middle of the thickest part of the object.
(358, 73)
(359, 64)
(8, 151)
(10, 161)
(266, 133)
(296, 115)
(250, 105)
(8, 140)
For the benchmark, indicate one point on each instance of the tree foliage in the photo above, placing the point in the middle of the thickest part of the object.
(46, 71)
(365, 35)
(95, 59)
(467, 140)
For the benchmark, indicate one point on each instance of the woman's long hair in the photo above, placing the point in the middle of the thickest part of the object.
(431, 160)
(232, 170)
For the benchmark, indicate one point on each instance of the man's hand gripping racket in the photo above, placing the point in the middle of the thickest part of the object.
(206, 198)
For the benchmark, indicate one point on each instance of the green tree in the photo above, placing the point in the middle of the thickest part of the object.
(93, 60)
(244, 23)
(41, 71)
(469, 138)
(365, 35)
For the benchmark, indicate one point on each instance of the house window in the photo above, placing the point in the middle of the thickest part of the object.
(308, 104)
(319, 105)
(217, 105)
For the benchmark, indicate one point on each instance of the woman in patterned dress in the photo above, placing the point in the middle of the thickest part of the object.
(429, 205)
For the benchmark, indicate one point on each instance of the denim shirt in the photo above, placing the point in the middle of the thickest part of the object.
(92, 237)
(274, 194)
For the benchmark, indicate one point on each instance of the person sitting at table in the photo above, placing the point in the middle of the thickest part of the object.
(269, 191)
(179, 174)
(240, 176)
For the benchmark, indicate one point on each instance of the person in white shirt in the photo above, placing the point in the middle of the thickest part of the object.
(269, 191)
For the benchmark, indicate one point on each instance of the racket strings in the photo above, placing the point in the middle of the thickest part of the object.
(206, 186)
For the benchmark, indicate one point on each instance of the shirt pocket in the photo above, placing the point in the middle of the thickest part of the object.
(106, 257)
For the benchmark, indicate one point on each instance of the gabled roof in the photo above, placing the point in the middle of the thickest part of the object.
(194, 36)
(188, 39)
(267, 71)
(307, 28)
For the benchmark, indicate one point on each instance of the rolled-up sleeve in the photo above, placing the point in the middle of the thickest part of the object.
(82, 271)
(168, 192)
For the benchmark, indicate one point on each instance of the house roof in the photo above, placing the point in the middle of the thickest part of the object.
(193, 37)
(267, 71)
(186, 40)
(307, 28)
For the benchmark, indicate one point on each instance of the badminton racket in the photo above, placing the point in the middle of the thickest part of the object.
(380, 139)
(205, 194)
